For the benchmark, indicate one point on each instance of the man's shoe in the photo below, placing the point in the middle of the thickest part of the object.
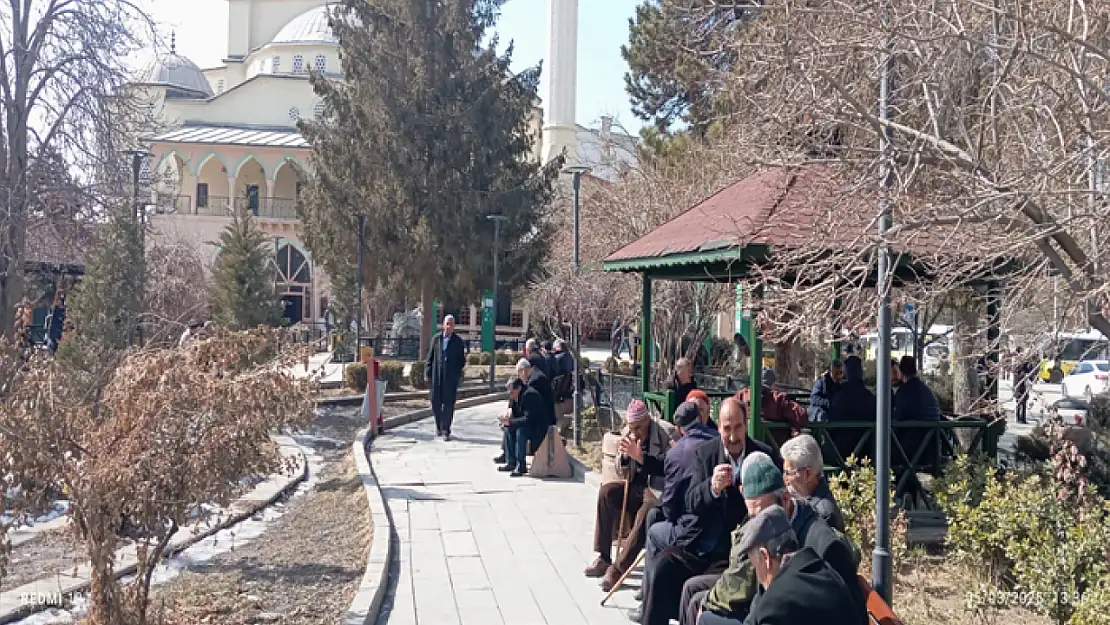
(517, 474)
(500, 459)
(639, 596)
(505, 468)
(612, 576)
(636, 615)
(446, 436)
(598, 568)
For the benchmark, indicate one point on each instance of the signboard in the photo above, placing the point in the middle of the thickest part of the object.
(366, 357)
(742, 321)
(488, 327)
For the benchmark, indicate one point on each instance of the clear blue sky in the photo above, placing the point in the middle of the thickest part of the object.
(201, 27)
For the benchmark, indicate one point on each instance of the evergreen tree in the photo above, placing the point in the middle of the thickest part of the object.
(107, 305)
(427, 135)
(242, 279)
(675, 47)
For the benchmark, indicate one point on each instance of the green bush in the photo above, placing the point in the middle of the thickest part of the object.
(474, 358)
(611, 365)
(416, 377)
(484, 359)
(355, 377)
(855, 496)
(393, 372)
(508, 358)
(941, 385)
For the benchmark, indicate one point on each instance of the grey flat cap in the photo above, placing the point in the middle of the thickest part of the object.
(686, 414)
(769, 524)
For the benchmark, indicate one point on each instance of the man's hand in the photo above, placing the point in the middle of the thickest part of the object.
(630, 446)
(722, 477)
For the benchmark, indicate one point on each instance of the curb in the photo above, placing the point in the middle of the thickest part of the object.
(367, 604)
(13, 604)
(354, 400)
(589, 476)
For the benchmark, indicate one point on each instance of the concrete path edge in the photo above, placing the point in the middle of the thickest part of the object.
(367, 604)
(241, 509)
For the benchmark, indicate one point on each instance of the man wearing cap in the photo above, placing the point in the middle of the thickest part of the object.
(798, 586)
(643, 447)
(714, 507)
(525, 424)
(700, 397)
(731, 596)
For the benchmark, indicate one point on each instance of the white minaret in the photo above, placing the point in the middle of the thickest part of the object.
(559, 127)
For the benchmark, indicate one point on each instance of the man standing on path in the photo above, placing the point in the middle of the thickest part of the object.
(1022, 372)
(443, 371)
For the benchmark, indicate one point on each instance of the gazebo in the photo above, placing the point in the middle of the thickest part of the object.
(737, 230)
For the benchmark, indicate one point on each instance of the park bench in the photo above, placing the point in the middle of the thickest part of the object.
(877, 609)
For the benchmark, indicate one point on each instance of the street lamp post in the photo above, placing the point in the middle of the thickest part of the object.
(577, 171)
(496, 219)
(881, 565)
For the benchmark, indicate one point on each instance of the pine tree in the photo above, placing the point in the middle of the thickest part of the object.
(107, 305)
(242, 280)
(427, 135)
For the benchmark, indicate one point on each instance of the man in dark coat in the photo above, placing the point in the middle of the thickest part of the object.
(798, 586)
(535, 379)
(854, 401)
(714, 508)
(683, 381)
(564, 360)
(443, 371)
(824, 390)
(535, 356)
(1022, 372)
(914, 401)
(527, 423)
(549, 365)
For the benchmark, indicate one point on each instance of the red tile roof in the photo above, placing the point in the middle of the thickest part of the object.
(779, 206)
(65, 244)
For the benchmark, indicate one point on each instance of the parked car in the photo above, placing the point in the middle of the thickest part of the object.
(935, 354)
(1089, 378)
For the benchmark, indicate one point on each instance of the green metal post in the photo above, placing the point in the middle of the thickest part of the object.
(645, 337)
(755, 383)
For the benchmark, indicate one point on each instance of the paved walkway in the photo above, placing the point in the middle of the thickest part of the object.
(479, 547)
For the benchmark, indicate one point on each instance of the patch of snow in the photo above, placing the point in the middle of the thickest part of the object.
(57, 510)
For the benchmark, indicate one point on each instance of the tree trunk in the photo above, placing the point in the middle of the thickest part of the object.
(786, 363)
(964, 380)
(427, 322)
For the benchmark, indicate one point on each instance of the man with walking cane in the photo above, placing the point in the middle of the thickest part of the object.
(643, 448)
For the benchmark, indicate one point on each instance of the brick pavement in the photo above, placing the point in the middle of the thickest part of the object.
(475, 546)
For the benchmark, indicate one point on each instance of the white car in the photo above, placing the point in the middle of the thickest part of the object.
(1089, 378)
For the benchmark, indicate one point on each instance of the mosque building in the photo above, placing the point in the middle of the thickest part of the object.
(225, 138)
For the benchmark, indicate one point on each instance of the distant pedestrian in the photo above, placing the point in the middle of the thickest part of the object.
(443, 371)
(616, 338)
(1022, 372)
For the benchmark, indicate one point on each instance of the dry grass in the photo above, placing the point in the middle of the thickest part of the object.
(305, 570)
(931, 592)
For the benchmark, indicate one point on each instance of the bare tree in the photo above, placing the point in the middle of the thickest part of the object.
(62, 63)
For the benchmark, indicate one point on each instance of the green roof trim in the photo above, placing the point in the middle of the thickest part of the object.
(731, 254)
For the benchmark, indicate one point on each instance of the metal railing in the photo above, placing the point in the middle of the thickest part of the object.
(265, 207)
(216, 206)
(174, 204)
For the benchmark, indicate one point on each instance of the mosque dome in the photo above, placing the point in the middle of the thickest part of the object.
(308, 27)
(176, 71)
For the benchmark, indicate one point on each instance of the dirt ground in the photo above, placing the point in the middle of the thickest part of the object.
(305, 569)
(932, 592)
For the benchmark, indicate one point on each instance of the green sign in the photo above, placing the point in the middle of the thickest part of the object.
(488, 327)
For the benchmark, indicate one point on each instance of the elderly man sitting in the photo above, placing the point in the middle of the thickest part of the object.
(525, 425)
(798, 585)
(730, 598)
(642, 449)
(803, 469)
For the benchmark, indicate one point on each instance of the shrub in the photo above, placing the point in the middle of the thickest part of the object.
(393, 372)
(416, 377)
(941, 385)
(855, 495)
(474, 358)
(485, 358)
(611, 365)
(355, 376)
(972, 495)
(508, 358)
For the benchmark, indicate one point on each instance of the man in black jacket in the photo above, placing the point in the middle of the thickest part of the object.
(526, 424)
(535, 379)
(535, 356)
(798, 585)
(443, 371)
(714, 508)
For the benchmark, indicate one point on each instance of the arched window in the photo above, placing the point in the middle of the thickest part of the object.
(292, 266)
(321, 63)
(298, 64)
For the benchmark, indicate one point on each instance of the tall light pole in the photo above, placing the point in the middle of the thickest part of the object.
(577, 171)
(881, 565)
(496, 219)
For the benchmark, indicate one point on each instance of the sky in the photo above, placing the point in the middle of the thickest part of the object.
(201, 27)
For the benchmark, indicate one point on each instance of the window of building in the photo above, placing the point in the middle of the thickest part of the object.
(220, 86)
(294, 114)
(297, 192)
(252, 198)
(275, 65)
(318, 110)
(202, 195)
(321, 63)
(517, 319)
(464, 316)
(298, 64)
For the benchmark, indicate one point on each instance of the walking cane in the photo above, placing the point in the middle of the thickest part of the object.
(624, 576)
(624, 509)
